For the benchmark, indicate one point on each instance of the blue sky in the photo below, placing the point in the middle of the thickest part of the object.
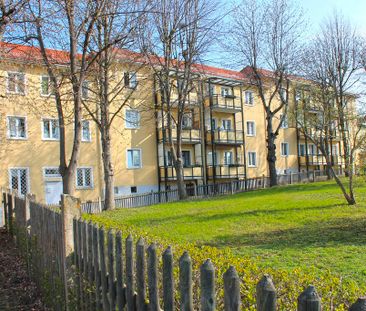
(317, 10)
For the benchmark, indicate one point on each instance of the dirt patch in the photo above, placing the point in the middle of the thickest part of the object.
(17, 291)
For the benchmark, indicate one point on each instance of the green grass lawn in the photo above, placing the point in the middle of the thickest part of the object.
(300, 226)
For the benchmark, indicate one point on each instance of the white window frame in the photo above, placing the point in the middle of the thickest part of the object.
(229, 121)
(300, 155)
(28, 177)
(284, 124)
(82, 132)
(249, 100)
(137, 126)
(86, 89)
(25, 127)
(134, 167)
(214, 158)
(336, 149)
(226, 91)
(231, 157)
(249, 158)
(132, 83)
(91, 178)
(190, 157)
(45, 176)
(49, 86)
(42, 126)
(314, 149)
(254, 128)
(16, 92)
(287, 148)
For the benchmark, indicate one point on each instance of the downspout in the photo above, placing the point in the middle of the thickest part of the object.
(244, 145)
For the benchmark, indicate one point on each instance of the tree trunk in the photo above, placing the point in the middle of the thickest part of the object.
(271, 153)
(349, 198)
(109, 202)
(68, 181)
(182, 191)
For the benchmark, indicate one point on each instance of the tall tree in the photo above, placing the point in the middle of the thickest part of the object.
(341, 48)
(115, 31)
(10, 13)
(75, 23)
(267, 35)
(174, 38)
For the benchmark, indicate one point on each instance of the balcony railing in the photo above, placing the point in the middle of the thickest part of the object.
(226, 171)
(228, 103)
(191, 101)
(228, 137)
(190, 173)
(189, 136)
(319, 160)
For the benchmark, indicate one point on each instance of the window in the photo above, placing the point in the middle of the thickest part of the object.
(284, 149)
(250, 128)
(84, 177)
(228, 158)
(19, 180)
(130, 79)
(132, 119)
(226, 124)
(302, 150)
(133, 189)
(46, 87)
(17, 127)
(249, 100)
(186, 156)
(210, 158)
(85, 131)
(51, 172)
(225, 91)
(51, 129)
(214, 124)
(134, 158)
(16, 82)
(283, 94)
(284, 124)
(85, 90)
(187, 120)
(335, 150)
(252, 159)
(169, 158)
(297, 95)
(312, 149)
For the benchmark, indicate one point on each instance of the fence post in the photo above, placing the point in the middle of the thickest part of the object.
(359, 305)
(263, 181)
(207, 286)
(152, 277)
(5, 210)
(168, 280)
(309, 300)
(185, 282)
(70, 208)
(140, 274)
(232, 300)
(266, 295)
(314, 176)
(290, 178)
(100, 204)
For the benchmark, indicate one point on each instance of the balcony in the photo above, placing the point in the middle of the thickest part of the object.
(190, 173)
(189, 103)
(319, 160)
(189, 136)
(225, 137)
(226, 171)
(228, 103)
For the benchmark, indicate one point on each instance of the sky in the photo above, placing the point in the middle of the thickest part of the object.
(317, 10)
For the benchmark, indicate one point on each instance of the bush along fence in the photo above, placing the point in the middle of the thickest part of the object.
(201, 191)
(80, 266)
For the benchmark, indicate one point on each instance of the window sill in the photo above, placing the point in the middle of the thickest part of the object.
(84, 188)
(18, 138)
(50, 139)
(134, 168)
(252, 166)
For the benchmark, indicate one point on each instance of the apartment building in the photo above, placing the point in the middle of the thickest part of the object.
(224, 135)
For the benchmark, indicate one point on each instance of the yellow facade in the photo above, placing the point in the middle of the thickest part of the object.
(222, 116)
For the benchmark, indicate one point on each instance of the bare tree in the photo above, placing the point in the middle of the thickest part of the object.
(10, 13)
(341, 48)
(327, 107)
(267, 35)
(75, 23)
(115, 32)
(173, 40)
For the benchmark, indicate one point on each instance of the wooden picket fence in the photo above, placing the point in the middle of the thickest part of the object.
(202, 191)
(103, 271)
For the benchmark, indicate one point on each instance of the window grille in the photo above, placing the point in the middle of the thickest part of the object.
(19, 180)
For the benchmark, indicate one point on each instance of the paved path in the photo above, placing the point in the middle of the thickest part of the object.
(17, 291)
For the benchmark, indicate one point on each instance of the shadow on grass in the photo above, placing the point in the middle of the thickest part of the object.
(340, 231)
